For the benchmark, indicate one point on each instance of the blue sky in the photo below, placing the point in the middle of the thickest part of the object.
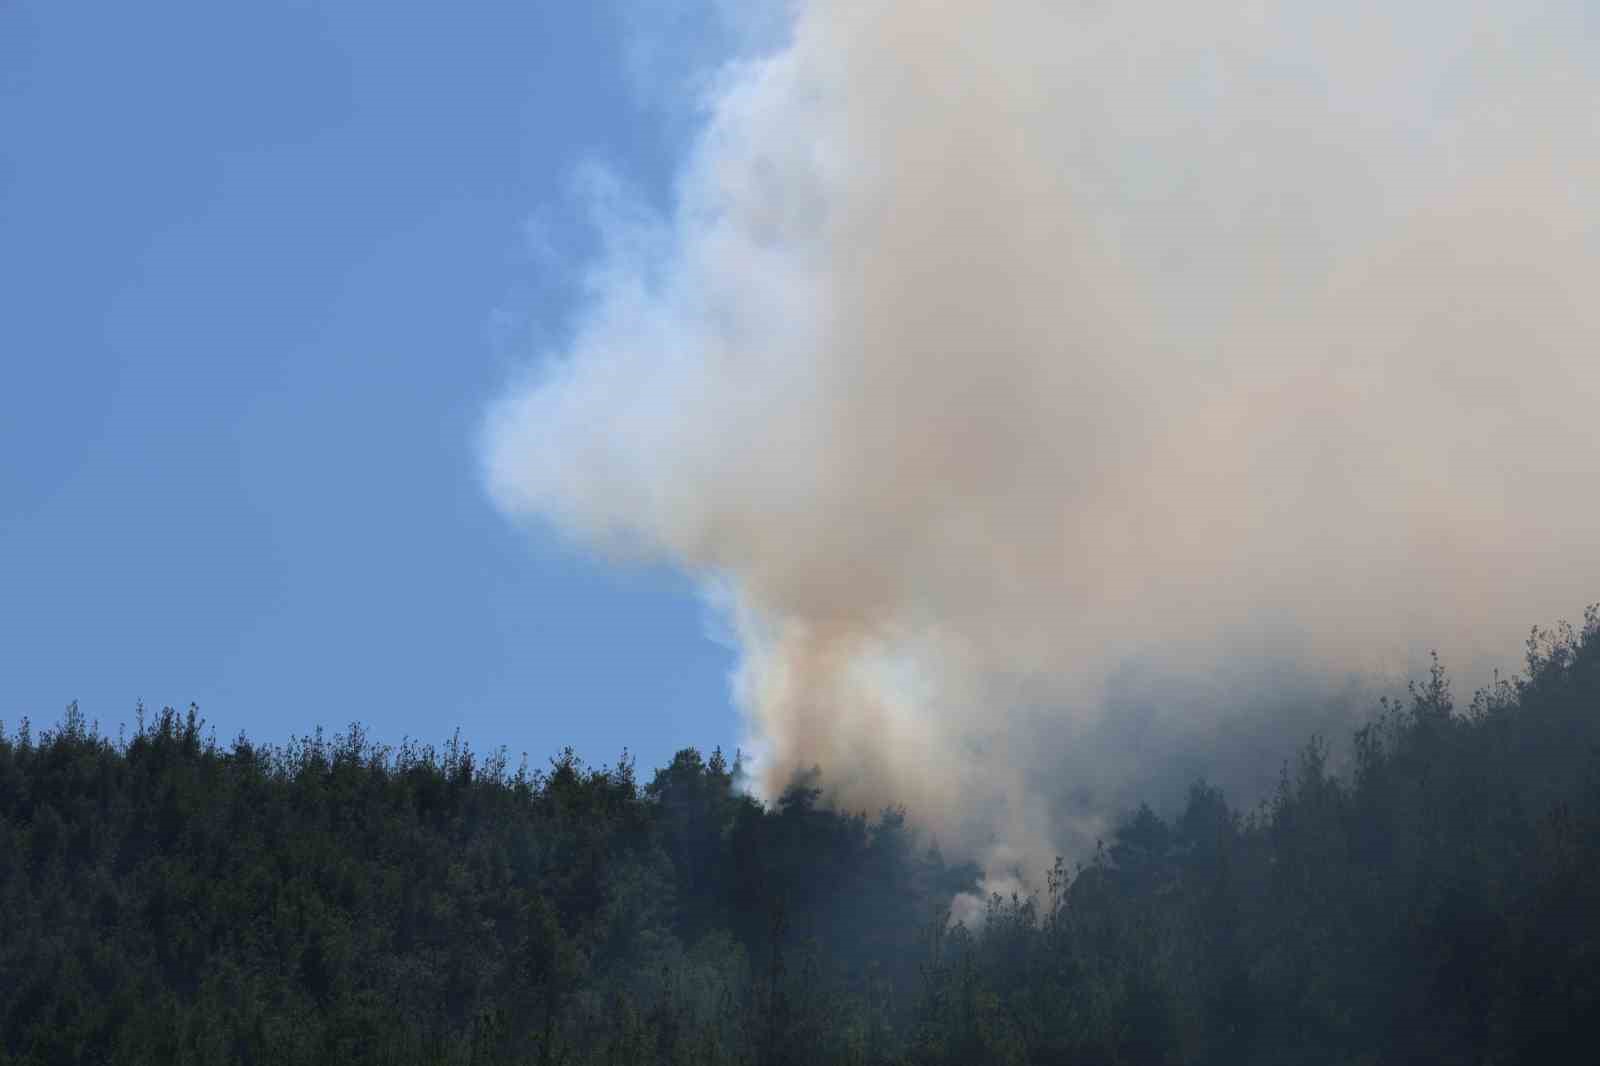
(263, 266)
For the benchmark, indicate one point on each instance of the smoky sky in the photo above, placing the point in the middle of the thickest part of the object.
(1054, 397)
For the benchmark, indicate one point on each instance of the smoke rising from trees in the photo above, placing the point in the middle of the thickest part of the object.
(1009, 370)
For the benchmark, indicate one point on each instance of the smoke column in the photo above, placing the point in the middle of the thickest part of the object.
(1031, 382)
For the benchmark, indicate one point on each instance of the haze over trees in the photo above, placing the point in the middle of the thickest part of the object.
(164, 898)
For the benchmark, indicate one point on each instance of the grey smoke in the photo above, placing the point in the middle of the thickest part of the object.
(1055, 396)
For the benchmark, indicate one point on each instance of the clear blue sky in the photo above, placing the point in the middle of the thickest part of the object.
(261, 267)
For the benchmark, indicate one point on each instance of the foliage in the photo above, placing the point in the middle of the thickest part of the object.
(167, 899)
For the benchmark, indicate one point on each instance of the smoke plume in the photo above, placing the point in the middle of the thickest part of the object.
(1054, 393)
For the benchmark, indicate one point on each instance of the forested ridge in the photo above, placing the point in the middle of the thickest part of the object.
(168, 899)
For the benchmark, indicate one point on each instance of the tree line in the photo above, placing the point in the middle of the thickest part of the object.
(165, 898)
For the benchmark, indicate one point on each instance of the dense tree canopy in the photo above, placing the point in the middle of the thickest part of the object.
(164, 898)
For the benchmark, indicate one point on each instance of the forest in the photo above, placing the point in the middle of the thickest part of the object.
(168, 899)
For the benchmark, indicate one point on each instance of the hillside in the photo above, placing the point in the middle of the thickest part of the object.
(165, 898)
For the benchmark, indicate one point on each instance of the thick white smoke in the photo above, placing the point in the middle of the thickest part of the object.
(1031, 380)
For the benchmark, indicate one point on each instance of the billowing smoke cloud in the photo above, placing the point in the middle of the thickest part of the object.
(1034, 383)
